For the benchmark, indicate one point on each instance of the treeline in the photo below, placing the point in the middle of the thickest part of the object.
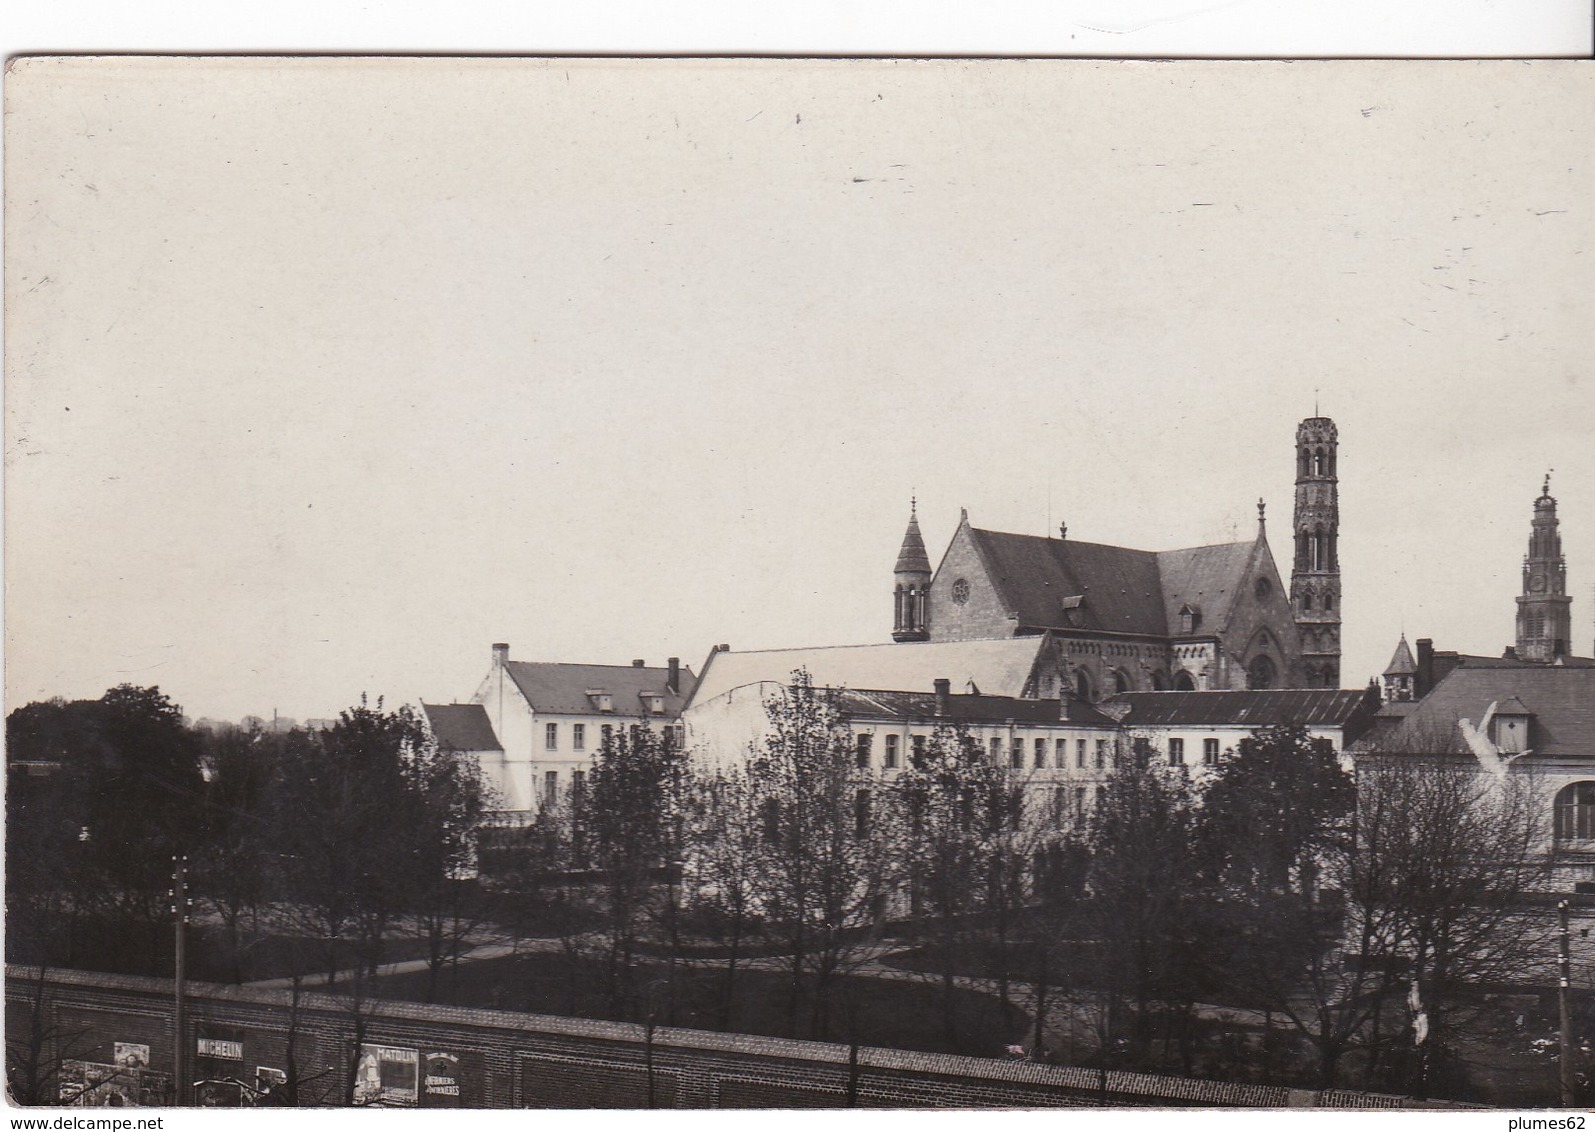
(1283, 921)
(309, 850)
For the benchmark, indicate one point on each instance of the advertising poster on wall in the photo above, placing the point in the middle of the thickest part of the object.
(219, 1067)
(93, 1084)
(387, 1075)
(441, 1085)
(130, 1055)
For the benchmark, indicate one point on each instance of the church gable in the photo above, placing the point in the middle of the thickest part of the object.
(965, 602)
(1260, 633)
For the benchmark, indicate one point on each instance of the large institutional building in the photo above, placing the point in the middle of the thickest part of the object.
(1122, 620)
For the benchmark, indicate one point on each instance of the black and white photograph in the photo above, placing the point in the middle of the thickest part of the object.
(787, 583)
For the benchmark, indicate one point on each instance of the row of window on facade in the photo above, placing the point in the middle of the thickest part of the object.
(1062, 812)
(578, 735)
(1038, 755)
(1085, 757)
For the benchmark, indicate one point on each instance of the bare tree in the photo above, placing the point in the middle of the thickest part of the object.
(1274, 832)
(826, 867)
(969, 848)
(1145, 910)
(726, 840)
(1456, 854)
(630, 819)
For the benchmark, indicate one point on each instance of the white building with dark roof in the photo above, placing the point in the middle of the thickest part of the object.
(535, 726)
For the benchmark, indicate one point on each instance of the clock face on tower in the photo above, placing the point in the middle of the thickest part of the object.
(1537, 583)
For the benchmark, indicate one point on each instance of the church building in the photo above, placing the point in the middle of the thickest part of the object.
(1122, 620)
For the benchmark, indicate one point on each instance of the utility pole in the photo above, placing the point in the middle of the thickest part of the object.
(1564, 970)
(180, 906)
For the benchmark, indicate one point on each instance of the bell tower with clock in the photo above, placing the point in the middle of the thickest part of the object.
(1544, 611)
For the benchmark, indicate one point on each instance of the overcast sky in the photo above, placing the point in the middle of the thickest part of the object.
(322, 376)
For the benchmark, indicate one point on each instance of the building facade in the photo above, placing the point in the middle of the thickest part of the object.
(536, 726)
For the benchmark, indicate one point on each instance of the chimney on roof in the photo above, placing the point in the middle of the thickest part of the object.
(638, 664)
(944, 688)
(673, 676)
(1425, 679)
(501, 655)
(722, 648)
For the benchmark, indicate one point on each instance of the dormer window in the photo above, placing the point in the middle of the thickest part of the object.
(655, 704)
(1190, 619)
(1510, 727)
(600, 699)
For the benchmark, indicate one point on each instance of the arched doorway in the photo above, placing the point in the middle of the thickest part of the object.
(1183, 682)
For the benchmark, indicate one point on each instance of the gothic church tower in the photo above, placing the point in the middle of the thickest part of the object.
(1315, 574)
(1544, 611)
(911, 596)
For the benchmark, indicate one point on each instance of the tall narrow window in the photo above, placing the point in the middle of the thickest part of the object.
(1079, 804)
(1060, 754)
(1210, 751)
(863, 748)
(1176, 752)
(1041, 753)
(918, 742)
(996, 750)
(861, 814)
(1079, 753)
(550, 787)
(1016, 753)
(551, 737)
(890, 758)
(578, 736)
(1575, 812)
(1102, 753)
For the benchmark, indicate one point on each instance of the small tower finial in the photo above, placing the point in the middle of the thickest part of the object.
(1546, 489)
(1260, 508)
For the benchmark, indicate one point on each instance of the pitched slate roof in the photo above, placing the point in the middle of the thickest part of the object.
(462, 727)
(1310, 707)
(562, 689)
(1402, 664)
(1561, 700)
(1125, 591)
(999, 666)
(967, 708)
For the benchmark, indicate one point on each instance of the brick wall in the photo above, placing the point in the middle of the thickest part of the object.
(511, 1060)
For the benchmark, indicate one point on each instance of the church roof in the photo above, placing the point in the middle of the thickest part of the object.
(562, 689)
(912, 557)
(1125, 591)
(1402, 664)
(462, 727)
(1561, 700)
(1000, 666)
(1309, 707)
(1205, 578)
